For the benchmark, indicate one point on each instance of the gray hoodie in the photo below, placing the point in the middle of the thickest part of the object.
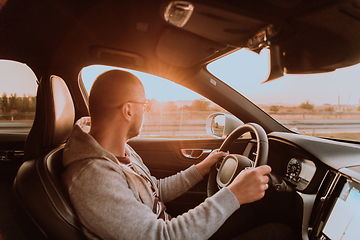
(114, 202)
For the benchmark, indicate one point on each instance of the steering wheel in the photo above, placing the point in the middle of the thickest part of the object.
(232, 164)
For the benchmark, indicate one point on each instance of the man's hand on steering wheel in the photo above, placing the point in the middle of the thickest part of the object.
(250, 184)
(204, 166)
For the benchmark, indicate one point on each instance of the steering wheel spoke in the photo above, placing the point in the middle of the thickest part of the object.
(218, 164)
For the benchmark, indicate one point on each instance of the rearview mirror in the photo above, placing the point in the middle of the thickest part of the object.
(276, 68)
(220, 125)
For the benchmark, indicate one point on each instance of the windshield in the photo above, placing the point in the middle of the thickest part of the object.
(323, 105)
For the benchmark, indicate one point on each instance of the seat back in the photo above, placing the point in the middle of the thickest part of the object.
(54, 117)
(42, 206)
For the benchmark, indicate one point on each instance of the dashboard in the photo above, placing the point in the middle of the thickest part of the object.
(329, 172)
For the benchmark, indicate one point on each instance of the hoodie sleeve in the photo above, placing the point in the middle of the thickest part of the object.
(108, 208)
(176, 185)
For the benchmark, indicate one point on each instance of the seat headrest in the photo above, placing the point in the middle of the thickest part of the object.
(54, 117)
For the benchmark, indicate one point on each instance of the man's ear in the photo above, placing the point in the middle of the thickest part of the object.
(127, 111)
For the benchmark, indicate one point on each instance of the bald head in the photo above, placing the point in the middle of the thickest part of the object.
(110, 90)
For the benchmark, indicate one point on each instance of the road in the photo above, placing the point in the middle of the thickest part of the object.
(15, 126)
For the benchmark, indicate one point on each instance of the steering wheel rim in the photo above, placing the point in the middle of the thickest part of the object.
(262, 150)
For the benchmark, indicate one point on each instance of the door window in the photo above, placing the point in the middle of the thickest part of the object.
(18, 85)
(176, 111)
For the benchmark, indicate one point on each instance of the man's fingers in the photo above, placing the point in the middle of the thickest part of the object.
(250, 185)
(265, 179)
(219, 154)
(264, 169)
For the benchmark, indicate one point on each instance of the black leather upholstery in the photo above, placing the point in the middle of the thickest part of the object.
(42, 206)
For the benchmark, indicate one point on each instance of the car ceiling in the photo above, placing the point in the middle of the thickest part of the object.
(54, 37)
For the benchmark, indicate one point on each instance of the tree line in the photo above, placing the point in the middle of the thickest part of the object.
(195, 105)
(305, 106)
(17, 104)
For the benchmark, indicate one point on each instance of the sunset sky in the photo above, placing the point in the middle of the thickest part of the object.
(16, 78)
(152, 85)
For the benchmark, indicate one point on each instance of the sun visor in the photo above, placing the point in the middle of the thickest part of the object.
(223, 26)
(183, 49)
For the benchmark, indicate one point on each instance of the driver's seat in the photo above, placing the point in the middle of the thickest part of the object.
(42, 205)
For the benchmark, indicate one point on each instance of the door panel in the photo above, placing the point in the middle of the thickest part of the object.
(166, 157)
(11, 157)
(11, 154)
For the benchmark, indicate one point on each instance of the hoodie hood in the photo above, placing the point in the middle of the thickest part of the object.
(82, 145)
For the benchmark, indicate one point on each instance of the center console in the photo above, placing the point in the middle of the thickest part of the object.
(338, 205)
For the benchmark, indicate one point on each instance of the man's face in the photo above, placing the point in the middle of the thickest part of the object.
(138, 118)
(137, 122)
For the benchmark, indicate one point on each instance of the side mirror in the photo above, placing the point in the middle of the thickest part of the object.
(220, 125)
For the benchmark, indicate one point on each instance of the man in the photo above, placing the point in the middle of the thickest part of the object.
(113, 192)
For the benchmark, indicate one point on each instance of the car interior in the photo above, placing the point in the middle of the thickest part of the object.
(313, 179)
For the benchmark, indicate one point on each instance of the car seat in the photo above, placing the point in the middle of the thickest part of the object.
(42, 206)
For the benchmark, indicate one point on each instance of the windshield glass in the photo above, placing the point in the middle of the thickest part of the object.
(323, 105)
